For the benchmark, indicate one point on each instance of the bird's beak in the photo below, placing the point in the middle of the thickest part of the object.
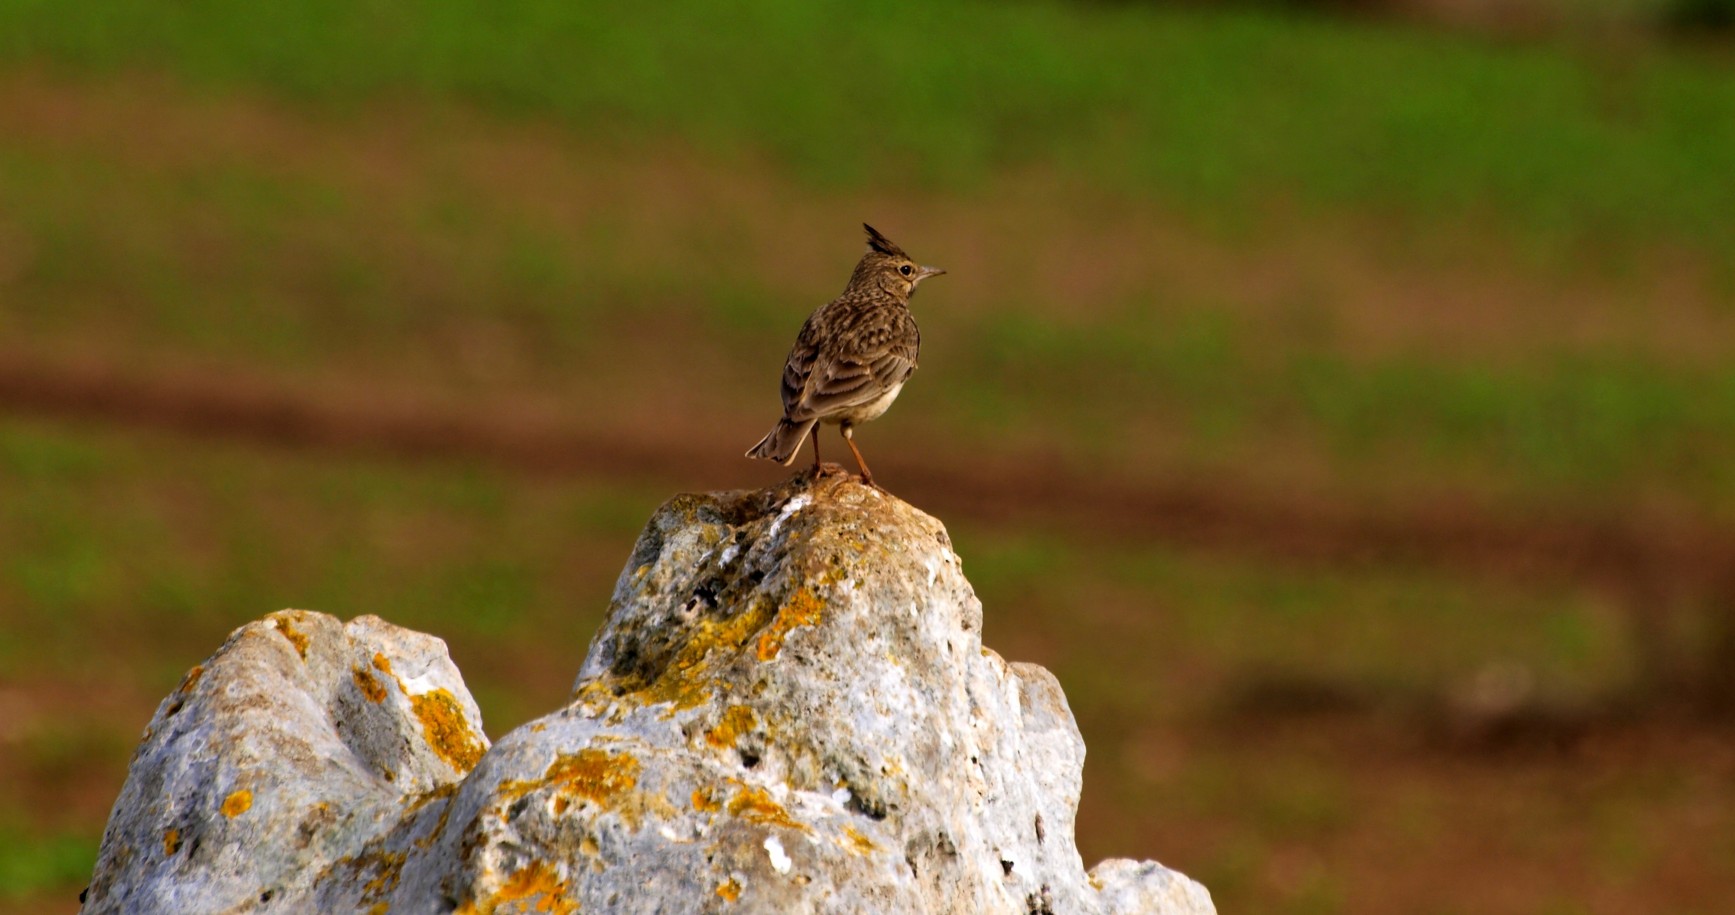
(923, 273)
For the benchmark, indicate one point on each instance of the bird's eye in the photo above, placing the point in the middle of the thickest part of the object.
(905, 270)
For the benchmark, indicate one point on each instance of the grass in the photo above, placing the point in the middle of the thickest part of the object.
(1216, 111)
(1558, 421)
(177, 558)
(31, 863)
(1096, 613)
(191, 540)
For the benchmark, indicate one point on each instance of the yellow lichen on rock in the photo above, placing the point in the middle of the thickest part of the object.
(598, 776)
(737, 719)
(858, 841)
(594, 697)
(595, 775)
(804, 609)
(729, 890)
(755, 805)
(446, 729)
(369, 687)
(537, 886)
(171, 841)
(686, 680)
(237, 803)
(704, 802)
(444, 792)
(284, 620)
(388, 869)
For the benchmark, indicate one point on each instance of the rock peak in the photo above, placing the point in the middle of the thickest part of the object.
(787, 709)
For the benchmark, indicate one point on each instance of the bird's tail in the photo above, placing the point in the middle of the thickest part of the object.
(781, 443)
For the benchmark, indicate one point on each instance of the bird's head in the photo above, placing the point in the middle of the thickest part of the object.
(886, 266)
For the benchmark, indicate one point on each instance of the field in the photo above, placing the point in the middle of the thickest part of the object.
(1345, 412)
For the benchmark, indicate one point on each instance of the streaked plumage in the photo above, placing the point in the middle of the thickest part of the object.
(852, 356)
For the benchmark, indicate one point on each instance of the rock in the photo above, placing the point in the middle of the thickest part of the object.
(1146, 886)
(788, 709)
(292, 748)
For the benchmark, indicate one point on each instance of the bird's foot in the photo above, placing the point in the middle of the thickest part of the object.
(826, 469)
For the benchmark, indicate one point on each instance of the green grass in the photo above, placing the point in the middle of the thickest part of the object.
(171, 547)
(1552, 420)
(31, 863)
(172, 544)
(1096, 613)
(1214, 111)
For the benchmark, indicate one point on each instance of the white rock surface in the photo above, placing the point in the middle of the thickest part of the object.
(788, 709)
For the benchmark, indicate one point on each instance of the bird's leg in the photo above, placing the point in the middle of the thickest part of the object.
(813, 436)
(849, 439)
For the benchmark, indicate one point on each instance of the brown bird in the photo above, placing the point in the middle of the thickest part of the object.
(852, 356)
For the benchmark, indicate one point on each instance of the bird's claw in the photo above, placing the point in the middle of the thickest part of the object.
(826, 469)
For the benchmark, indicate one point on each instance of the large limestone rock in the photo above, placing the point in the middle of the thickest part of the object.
(788, 709)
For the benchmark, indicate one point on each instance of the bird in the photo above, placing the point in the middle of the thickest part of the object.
(852, 356)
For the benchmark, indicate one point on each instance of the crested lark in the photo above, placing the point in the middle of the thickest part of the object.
(852, 356)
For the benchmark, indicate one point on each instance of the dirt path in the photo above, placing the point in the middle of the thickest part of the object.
(1634, 554)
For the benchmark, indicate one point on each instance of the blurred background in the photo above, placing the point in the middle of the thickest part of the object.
(1337, 396)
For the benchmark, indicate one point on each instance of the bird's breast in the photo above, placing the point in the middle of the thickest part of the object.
(870, 410)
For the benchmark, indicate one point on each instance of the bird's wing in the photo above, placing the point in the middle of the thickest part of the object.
(857, 358)
(798, 371)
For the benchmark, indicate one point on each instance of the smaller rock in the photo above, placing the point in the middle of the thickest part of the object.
(1141, 887)
(286, 751)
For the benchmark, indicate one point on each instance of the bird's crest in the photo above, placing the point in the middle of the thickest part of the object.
(882, 244)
